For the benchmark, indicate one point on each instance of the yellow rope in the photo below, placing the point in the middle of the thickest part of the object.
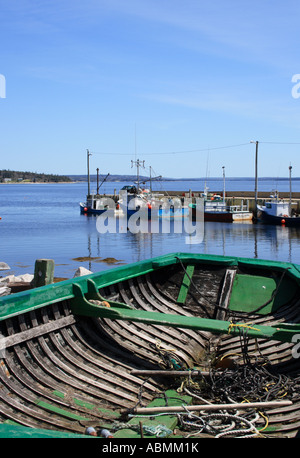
(266, 420)
(158, 346)
(240, 325)
(262, 415)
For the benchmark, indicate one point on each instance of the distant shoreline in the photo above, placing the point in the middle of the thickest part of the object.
(126, 179)
(40, 182)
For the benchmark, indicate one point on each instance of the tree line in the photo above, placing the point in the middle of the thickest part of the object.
(13, 175)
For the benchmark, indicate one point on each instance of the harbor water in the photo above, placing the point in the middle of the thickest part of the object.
(44, 221)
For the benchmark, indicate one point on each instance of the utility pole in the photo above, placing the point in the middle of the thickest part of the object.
(256, 174)
(290, 169)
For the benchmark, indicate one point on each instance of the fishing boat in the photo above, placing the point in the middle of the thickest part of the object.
(277, 211)
(149, 205)
(95, 202)
(135, 198)
(132, 199)
(184, 344)
(216, 209)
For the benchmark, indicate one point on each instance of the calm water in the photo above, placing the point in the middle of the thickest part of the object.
(44, 221)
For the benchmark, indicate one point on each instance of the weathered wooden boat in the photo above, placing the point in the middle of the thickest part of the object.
(116, 349)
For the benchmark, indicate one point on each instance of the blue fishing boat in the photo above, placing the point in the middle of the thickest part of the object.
(135, 198)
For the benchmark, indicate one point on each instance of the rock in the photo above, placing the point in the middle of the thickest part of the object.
(4, 291)
(4, 266)
(82, 271)
(8, 279)
(26, 278)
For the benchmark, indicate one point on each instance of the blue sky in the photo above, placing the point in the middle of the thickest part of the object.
(184, 85)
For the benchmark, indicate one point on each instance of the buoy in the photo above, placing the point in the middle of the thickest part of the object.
(90, 431)
(105, 304)
(283, 221)
(106, 433)
(85, 209)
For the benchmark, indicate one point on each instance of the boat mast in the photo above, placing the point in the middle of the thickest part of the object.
(97, 180)
(88, 170)
(290, 169)
(223, 184)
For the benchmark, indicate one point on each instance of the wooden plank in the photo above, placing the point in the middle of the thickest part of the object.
(59, 411)
(167, 373)
(37, 331)
(226, 293)
(206, 407)
(185, 286)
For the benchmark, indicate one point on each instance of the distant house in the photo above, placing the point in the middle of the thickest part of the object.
(7, 180)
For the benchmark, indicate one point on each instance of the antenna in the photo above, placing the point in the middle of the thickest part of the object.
(138, 164)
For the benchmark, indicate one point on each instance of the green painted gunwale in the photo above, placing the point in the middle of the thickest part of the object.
(81, 290)
(39, 297)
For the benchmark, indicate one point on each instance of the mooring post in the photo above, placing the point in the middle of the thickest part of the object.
(43, 272)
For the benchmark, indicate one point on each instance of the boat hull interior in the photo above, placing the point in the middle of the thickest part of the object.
(62, 372)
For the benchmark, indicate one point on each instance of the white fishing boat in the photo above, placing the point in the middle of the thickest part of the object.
(277, 211)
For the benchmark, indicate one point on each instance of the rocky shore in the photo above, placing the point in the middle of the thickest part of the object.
(10, 284)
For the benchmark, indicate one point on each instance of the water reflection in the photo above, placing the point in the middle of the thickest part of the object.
(77, 236)
(45, 222)
(228, 239)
